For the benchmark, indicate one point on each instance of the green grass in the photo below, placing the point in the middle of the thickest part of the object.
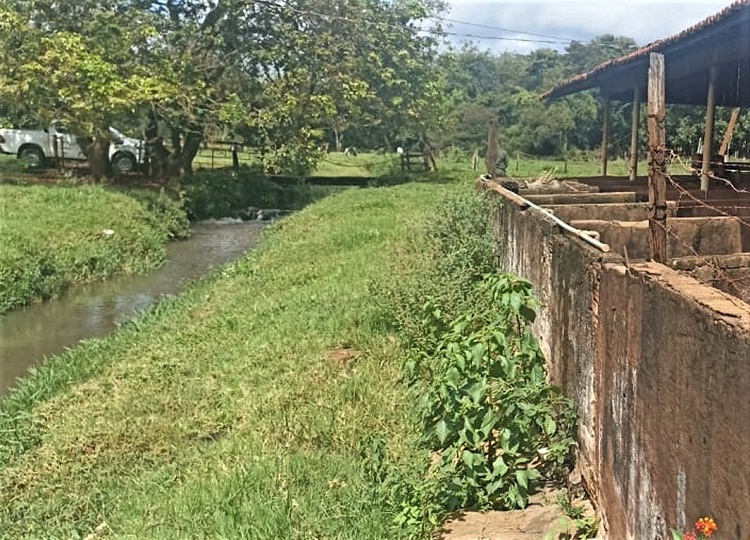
(220, 414)
(215, 158)
(10, 164)
(533, 168)
(363, 164)
(372, 165)
(53, 236)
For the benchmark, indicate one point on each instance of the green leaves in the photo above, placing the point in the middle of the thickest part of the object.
(442, 431)
(485, 406)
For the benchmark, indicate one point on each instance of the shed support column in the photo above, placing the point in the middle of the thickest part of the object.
(605, 134)
(634, 133)
(708, 136)
(657, 159)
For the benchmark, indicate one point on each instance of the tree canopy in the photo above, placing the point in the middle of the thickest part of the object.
(290, 78)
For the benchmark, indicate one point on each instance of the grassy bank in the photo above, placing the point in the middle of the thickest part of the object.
(54, 236)
(357, 377)
(258, 405)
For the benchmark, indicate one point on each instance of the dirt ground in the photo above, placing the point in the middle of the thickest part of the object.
(543, 519)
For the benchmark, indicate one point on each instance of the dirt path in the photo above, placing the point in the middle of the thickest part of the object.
(543, 519)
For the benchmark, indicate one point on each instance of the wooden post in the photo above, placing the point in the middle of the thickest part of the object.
(708, 136)
(605, 134)
(492, 154)
(728, 133)
(657, 159)
(634, 121)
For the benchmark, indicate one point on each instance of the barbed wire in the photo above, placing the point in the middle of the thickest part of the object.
(711, 175)
(720, 274)
(730, 281)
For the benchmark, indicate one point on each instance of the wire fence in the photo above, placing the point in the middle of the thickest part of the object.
(734, 281)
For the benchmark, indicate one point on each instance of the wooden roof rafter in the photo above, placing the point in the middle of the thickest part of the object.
(722, 40)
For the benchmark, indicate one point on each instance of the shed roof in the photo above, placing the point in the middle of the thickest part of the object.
(722, 39)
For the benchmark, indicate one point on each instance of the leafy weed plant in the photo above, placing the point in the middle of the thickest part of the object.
(493, 427)
(496, 426)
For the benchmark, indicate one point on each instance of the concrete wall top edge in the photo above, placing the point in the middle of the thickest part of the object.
(731, 310)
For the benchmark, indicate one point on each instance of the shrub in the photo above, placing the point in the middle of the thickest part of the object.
(168, 213)
(487, 412)
(221, 193)
(492, 424)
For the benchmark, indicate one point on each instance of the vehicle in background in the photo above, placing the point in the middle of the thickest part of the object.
(36, 147)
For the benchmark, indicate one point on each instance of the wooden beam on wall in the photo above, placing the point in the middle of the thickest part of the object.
(657, 159)
(605, 134)
(708, 136)
(634, 121)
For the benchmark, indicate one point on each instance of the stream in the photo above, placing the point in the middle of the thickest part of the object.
(29, 334)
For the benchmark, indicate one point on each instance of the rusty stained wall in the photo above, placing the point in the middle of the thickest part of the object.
(530, 245)
(659, 367)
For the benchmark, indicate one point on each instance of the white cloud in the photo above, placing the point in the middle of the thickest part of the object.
(643, 20)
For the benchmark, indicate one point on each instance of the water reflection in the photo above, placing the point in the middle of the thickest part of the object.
(29, 334)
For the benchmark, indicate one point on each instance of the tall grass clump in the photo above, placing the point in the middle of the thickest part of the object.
(164, 212)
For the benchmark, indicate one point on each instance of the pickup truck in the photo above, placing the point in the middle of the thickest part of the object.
(36, 147)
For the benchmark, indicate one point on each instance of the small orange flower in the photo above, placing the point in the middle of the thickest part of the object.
(689, 536)
(706, 526)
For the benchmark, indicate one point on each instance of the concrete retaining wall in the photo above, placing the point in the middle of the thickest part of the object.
(659, 367)
(687, 236)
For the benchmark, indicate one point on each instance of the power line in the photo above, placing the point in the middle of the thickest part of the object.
(325, 16)
(489, 27)
(498, 38)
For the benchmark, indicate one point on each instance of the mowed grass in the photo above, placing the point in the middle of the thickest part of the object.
(246, 408)
(53, 236)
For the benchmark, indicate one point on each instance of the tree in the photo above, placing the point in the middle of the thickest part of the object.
(333, 66)
(82, 71)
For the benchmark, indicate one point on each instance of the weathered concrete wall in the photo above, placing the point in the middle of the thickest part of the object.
(728, 273)
(687, 236)
(659, 367)
(610, 211)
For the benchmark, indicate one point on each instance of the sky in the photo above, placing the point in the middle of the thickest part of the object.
(547, 20)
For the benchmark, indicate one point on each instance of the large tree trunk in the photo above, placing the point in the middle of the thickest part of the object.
(97, 155)
(178, 162)
(189, 151)
(388, 145)
(159, 167)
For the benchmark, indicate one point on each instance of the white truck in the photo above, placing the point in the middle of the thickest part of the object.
(35, 147)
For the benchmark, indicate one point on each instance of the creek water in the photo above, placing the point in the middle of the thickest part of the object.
(30, 334)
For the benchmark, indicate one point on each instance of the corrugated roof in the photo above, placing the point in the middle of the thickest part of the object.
(656, 46)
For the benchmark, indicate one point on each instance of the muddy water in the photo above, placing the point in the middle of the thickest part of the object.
(29, 334)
